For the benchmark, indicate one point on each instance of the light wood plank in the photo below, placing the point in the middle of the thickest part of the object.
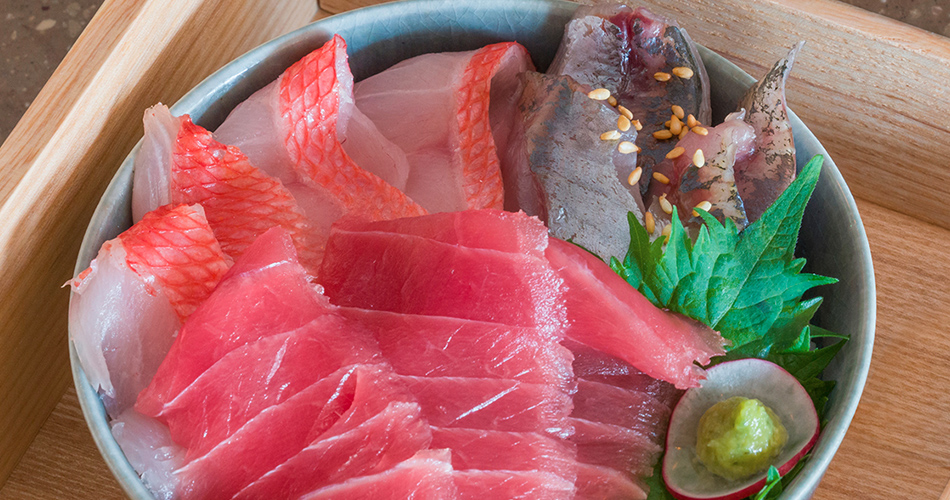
(59, 158)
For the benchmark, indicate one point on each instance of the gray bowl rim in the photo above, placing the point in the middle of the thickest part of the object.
(221, 81)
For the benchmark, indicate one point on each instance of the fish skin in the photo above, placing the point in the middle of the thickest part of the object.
(582, 178)
(310, 94)
(629, 47)
(771, 168)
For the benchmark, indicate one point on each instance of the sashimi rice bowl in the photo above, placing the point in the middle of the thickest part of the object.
(499, 249)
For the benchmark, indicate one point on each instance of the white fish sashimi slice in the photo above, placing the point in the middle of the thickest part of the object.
(151, 177)
(129, 304)
(150, 450)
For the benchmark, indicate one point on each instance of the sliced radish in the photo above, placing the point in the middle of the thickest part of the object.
(686, 477)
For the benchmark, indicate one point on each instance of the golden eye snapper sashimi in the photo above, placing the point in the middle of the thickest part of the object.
(287, 319)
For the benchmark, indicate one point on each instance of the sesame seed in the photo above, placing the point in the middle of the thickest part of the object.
(691, 121)
(703, 205)
(700, 130)
(612, 101)
(625, 112)
(613, 135)
(599, 94)
(662, 134)
(698, 159)
(676, 127)
(634, 176)
(636, 124)
(627, 147)
(678, 111)
(676, 152)
(662, 179)
(661, 76)
(683, 133)
(667, 123)
(683, 72)
(623, 123)
(666, 205)
(667, 230)
(650, 222)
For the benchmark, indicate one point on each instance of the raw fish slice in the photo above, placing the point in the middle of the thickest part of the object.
(607, 314)
(451, 113)
(480, 449)
(612, 405)
(513, 232)
(595, 366)
(584, 194)
(603, 483)
(128, 305)
(435, 346)
(240, 201)
(491, 404)
(512, 485)
(376, 445)
(266, 293)
(614, 446)
(621, 49)
(771, 168)
(269, 439)
(427, 475)
(723, 148)
(149, 448)
(263, 374)
(414, 275)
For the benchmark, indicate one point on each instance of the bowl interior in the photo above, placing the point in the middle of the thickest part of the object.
(832, 237)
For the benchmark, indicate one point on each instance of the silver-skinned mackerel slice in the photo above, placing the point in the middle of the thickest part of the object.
(568, 176)
(764, 176)
(620, 49)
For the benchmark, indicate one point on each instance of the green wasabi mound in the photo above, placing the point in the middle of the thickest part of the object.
(739, 437)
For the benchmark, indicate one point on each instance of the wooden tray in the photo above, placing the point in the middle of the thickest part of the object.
(874, 91)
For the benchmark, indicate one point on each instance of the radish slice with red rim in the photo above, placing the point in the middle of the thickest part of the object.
(686, 477)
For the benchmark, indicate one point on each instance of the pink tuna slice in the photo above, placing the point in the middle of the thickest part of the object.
(451, 113)
(613, 446)
(428, 475)
(603, 483)
(436, 346)
(305, 128)
(724, 147)
(132, 299)
(478, 449)
(262, 374)
(333, 406)
(181, 162)
(512, 485)
(607, 314)
(379, 443)
(265, 293)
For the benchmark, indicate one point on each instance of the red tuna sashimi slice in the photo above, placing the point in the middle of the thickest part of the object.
(631, 409)
(436, 346)
(451, 113)
(771, 168)
(127, 306)
(595, 366)
(266, 293)
(491, 404)
(427, 475)
(512, 485)
(413, 275)
(513, 232)
(603, 483)
(149, 448)
(723, 147)
(606, 313)
(181, 162)
(614, 446)
(330, 407)
(480, 449)
(262, 374)
(305, 116)
(390, 437)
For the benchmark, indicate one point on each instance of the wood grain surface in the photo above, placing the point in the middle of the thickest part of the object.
(58, 160)
(874, 91)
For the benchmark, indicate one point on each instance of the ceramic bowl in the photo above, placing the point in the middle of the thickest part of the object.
(832, 237)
